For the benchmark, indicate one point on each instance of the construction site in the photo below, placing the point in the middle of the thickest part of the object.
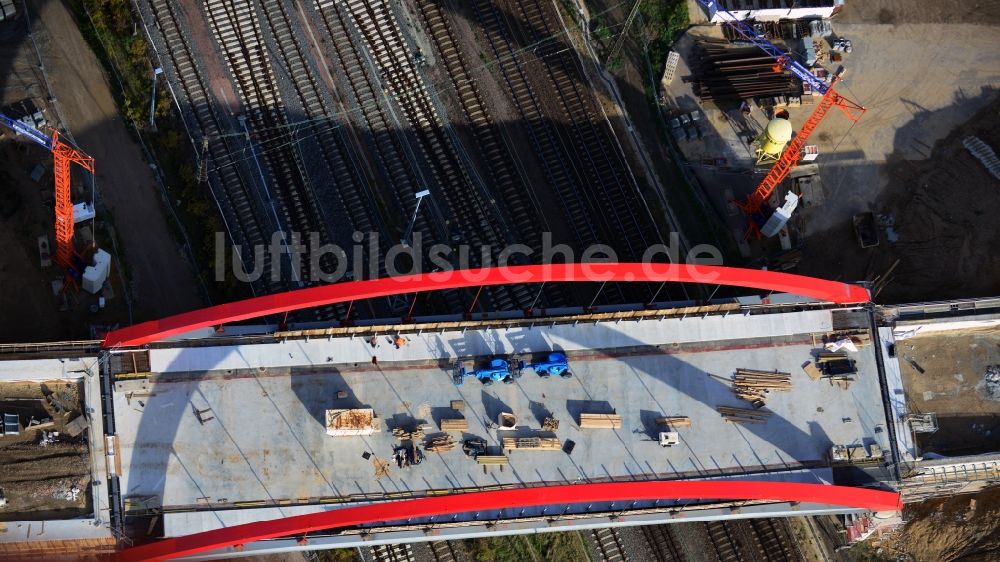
(655, 280)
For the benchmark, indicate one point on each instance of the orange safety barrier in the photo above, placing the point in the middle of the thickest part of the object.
(146, 332)
(389, 511)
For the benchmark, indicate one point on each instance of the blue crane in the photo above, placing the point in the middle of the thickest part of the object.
(32, 133)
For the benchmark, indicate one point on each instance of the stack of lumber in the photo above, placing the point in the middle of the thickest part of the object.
(743, 415)
(600, 421)
(550, 424)
(532, 443)
(403, 434)
(455, 424)
(492, 459)
(674, 421)
(752, 385)
(439, 444)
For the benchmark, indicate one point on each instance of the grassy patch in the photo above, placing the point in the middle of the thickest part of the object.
(334, 555)
(543, 547)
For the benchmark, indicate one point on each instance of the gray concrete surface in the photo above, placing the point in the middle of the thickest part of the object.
(266, 440)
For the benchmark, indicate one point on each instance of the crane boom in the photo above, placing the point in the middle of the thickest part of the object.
(63, 155)
(779, 171)
(32, 133)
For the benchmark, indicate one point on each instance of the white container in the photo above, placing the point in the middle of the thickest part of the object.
(95, 275)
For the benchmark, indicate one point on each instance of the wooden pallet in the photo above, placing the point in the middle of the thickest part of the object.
(455, 424)
(753, 386)
(674, 421)
(439, 444)
(532, 444)
(600, 421)
(743, 415)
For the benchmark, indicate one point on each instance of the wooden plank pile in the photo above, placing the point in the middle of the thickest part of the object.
(550, 424)
(455, 424)
(439, 443)
(674, 421)
(743, 415)
(532, 444)
(492, 460)
(404, 434)
(600, 421)
(753, 386)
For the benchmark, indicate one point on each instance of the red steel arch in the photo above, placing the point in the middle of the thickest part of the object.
(862, 498)
(146, 332)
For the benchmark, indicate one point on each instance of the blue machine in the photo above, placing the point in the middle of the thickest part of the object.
(508, 369)
(498, 370)
(750, 35)
(556, 364)
(32, 133)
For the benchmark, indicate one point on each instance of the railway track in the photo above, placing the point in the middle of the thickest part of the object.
(609, 545)
(661, 542)
(443, 551)
(237, 30)
(508, 182)
(608, 176)
(581, 158)
(354, 199)
(241, 206)
(775, 541)
(392, 553)
(392, 160)
(726, 547)
(479, 223)
(392, 98)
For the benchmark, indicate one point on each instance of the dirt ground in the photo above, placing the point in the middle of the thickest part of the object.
(160, 281)
(919, 11)
(938, 211)
(952, 385)
(928, 74)
(956, 528)
(38, 480)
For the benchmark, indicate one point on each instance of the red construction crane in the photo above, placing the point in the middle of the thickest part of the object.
(63, 155)
(788, 159)
(753, 205)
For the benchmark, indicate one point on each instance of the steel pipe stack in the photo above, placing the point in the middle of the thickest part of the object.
(731, 73)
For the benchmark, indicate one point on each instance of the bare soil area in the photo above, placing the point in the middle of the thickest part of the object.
(953, 385)
(43, 478)
(956, 528)
(919, 11)
(935, 219)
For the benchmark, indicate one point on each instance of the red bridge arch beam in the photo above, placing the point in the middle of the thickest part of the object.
(846, 496)
(147, 332)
